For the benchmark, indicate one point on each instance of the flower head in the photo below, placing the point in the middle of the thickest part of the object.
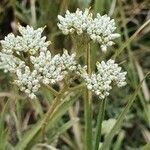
(108, 74)
(74, 22)
(8, 44)
(31, 40)
(100, 29)
(10, 63)
(28, 81)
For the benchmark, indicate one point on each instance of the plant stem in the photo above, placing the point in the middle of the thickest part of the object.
(88, 106)
(56, 102)
(52, 108)
(33, 13)
(99, 123)
(77, 87)
(53, 91)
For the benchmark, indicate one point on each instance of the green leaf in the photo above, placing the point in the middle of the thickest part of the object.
(102, 6)
(62, 129)
(147, 147)
(28, 136)
(100, 118)
(46, 94)
(63, 107)
(117, 145)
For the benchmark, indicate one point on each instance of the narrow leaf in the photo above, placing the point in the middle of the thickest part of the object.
(62, 129)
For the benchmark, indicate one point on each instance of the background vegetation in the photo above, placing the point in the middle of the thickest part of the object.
(20, 117)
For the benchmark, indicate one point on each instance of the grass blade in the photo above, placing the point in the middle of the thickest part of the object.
(3, 135)
(63, 129)
(118, 52)
(99, 123)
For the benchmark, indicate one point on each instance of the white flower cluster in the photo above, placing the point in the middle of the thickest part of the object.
(31, 62)
(28, 81)
(10, 63)
(100, 29)
(53, 69)
(74, 22)
(30, 41)
(108, 74)
(68, 61)
(8, 44)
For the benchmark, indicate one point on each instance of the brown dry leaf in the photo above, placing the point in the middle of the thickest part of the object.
(144, 84)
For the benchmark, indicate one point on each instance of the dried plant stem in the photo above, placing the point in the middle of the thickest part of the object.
(76, 128)
(88, 106)
(33, 13)
(99, 123)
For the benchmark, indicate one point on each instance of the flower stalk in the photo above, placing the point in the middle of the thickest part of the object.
(88, 106)
(100, 119)
(53, 91)
(52, 108)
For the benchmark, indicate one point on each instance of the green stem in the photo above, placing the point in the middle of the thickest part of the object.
(52, 109)
(55, 103)
(99, 123)
(77, 87)
(53, 91)
(88, 106)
